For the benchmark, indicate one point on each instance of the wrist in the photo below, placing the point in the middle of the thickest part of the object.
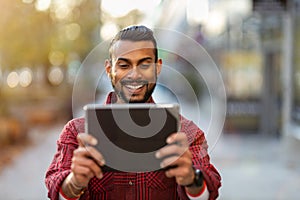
(71, 189)
(197, 180)
(63, 196)
(195, 192)
(71, 178)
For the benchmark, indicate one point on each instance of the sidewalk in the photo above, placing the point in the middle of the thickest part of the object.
(24, 178)
(252, 167)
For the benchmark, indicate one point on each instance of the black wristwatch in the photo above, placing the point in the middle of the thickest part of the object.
(198, 180)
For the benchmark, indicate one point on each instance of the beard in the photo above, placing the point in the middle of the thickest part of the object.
(121, 93)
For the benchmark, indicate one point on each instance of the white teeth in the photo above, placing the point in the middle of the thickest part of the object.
(134, 87)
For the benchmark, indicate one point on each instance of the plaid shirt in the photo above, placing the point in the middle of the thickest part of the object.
(133, 186)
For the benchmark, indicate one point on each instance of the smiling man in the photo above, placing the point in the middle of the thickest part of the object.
(133, 69)
(76, 170)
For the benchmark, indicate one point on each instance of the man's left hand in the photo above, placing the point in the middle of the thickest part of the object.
(177, 159)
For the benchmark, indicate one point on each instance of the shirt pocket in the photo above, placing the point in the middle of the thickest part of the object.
(161, 187)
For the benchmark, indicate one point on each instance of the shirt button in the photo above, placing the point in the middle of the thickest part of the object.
(130, 183)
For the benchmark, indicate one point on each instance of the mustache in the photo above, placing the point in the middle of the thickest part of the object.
(138, 82)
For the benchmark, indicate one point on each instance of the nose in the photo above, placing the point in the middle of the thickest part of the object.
(134, 74)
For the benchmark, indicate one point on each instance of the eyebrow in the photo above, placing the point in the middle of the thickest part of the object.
(139, 61)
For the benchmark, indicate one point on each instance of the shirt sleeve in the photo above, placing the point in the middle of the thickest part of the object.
(60, 166)
(203, 195)
(201, 159)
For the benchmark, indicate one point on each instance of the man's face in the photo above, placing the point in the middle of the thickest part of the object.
(133, 71)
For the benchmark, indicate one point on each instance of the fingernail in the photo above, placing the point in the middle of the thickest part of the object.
(100, 175)
(169, 140)
(162, 165)
(94, 141)
(103, 162)
(157, 154)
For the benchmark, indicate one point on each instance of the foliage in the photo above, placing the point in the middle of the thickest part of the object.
(28, 35)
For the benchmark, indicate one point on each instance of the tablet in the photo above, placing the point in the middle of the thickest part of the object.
(130, 134)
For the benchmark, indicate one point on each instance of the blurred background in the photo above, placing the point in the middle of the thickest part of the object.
(254, 43)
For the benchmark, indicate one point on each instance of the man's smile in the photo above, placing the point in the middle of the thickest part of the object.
(134, 87)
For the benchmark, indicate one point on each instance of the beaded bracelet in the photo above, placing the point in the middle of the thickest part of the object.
(76, 187)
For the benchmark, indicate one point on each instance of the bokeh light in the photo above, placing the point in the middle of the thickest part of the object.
(119, 8)
(108, 30)
(25, 77)
(215, 24)
(73, 67)
(62, 11)
(27, 1)
(56, 58)
(55, 76)
(197, 11)
(72, 31)
(42, 5)
(13, 79)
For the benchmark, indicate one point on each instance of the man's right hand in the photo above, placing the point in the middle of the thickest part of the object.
(86, 163)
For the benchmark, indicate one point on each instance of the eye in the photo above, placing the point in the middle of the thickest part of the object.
(123, 65)
(145, 66)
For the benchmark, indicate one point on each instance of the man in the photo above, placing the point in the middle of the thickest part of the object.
(76, 170)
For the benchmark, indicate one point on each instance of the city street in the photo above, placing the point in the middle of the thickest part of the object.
(251, 168)
(23, 179)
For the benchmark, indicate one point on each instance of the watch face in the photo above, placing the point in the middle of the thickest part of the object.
(198, 178)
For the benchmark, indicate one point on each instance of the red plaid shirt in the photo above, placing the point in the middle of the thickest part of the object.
(122, 185)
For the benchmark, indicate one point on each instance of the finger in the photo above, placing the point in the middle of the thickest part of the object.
(79, 180)
(171, 149)
(184, 160)
(174, 172)
(179, 138)
(96, 155)
(81, 172)
(184, 175)
(88, 164)
(180, 179)
(180, 171)
(85, 139)
(169, 161)
(90, 152)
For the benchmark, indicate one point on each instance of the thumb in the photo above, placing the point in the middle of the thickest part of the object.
(85, 139)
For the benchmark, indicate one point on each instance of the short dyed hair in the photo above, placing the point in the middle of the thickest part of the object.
(135, 34)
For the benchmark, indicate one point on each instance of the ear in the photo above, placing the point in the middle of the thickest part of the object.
(158, 66)
(108, 67)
